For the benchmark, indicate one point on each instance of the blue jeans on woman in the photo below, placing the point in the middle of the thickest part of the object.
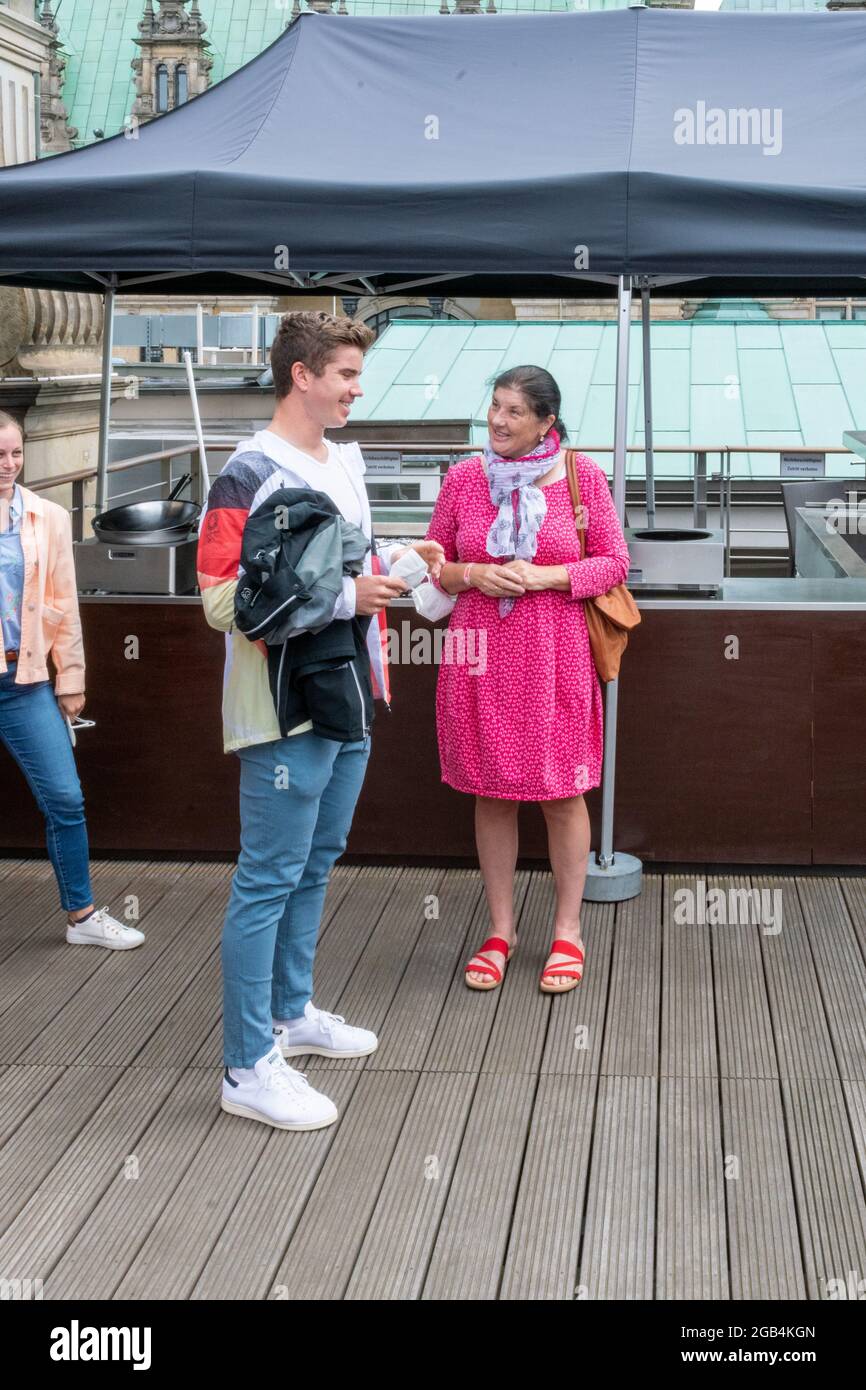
(297, 799)
(34, 730)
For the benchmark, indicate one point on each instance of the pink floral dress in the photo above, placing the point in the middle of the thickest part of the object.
(518, 700)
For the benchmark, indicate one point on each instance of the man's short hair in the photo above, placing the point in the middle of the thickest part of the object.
(312, 337)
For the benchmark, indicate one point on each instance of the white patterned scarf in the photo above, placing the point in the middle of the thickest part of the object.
(515, 534)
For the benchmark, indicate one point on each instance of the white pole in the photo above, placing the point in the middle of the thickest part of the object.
(105, 397)
(204, 479)
(610, 877)
(648, 409)
(199, 334)
(255, 335)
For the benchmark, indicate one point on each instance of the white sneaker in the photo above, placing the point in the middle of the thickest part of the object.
(275, 1094)
(325, 1035)
(101, 929)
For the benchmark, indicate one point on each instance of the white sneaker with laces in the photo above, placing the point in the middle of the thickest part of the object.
(323, 1035)
(275, 1094)
(101, 929)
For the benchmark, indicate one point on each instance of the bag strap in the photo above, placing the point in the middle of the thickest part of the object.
(574, 489)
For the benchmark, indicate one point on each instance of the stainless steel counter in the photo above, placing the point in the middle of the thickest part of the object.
(786, 595)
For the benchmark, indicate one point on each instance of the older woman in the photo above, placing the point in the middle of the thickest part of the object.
(522, 721)
(39, 618)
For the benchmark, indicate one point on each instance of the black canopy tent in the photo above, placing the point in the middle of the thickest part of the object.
(538, 155)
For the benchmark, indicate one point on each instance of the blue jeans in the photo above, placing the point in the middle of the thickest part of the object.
(297, 800)
(34, 730)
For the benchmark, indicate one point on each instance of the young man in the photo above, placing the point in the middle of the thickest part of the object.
(297, 792)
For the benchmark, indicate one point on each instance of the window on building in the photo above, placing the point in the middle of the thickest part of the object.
(181, 85)
(162, 88)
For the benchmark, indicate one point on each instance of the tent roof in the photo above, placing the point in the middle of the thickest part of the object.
(371, 155)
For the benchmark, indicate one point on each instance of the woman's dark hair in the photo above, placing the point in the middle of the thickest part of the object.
(542, 394)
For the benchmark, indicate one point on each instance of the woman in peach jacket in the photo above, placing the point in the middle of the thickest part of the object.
(39, 618)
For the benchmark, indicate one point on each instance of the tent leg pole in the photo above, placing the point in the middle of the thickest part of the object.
(648, 409)
(614, 877)
(105, 399)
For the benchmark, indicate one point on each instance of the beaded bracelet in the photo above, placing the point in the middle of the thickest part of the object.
(466, 573)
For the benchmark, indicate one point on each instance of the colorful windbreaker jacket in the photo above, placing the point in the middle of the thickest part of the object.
(249, 716)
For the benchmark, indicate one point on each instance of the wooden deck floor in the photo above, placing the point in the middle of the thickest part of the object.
(690, 1123)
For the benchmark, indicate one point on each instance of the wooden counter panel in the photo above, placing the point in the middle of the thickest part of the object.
(714, 756)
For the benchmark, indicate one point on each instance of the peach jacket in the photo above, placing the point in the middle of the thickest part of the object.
(50, 622)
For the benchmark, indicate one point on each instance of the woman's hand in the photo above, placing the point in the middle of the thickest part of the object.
(431, 553)
(497, 581)
(532, 577)
(71, 705)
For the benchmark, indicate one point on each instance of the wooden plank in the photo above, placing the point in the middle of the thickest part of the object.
(24, 880)
(351, 927)
(264, 1216)
(853, 890)
(800, 1027)
(691, 1239)
(340, 885)
(575, 1031)
(831, 1208)
(28, 990)
(320, 1256)
(153, 1026)
(618, 1250)
(687, 1045)
(763, 1240)
(33, 917)
(177, 1246)
(21, 1091)
(461, 1036)
(544, 1244)
(44, 1135)
(69, 1192)
(746, 1047)
(470, 1248)
(353, 893)
(855, 1103)
(106, 993)
(840, 971)
(393, 1258)
(108, 1240)
(631, 1037)
(439, 954)
(516, 1042)
(377, 976)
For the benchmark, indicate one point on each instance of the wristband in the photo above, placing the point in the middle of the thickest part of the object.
(466, 572)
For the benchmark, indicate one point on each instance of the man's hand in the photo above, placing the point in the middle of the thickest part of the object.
(71, 705)
(431, 553)
(375, 591)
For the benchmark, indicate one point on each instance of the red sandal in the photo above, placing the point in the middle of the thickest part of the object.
(563, 969)
(486, 967)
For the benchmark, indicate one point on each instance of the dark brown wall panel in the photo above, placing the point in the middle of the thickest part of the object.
(714, 757)
(839, 677)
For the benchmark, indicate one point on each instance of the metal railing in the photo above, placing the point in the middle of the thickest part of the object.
(704, 490)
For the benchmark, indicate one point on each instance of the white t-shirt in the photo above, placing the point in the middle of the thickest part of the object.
(330, 477)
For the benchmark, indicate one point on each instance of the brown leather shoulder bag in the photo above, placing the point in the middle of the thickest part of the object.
(610, 616)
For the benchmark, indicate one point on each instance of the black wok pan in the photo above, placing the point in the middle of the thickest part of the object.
(149, 523)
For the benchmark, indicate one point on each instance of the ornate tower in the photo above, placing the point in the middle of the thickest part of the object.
(55, 134)
(174, 62)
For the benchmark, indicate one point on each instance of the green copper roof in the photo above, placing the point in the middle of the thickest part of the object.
(98, 38)
(776, 383)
